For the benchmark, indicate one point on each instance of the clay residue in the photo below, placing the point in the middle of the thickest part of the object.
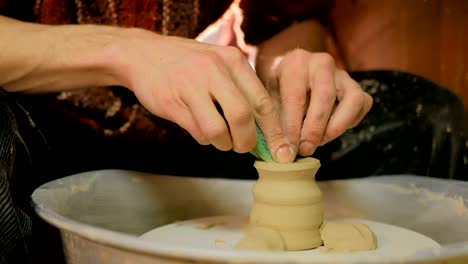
(428, 196)
(83, 186)
(136, 180)
(345, 237)
(178, 223)
(336, 237)
(205, 226)
(220, 242)
(262, 238)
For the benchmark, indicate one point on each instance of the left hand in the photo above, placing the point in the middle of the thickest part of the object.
(309, 84)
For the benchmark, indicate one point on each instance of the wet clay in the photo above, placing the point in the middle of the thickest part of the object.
(288, 201)
(261, 238)
(341, 236)
(287, 213)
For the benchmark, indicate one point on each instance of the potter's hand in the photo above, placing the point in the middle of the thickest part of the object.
(181, 80)
(174, 78)
(309, 84)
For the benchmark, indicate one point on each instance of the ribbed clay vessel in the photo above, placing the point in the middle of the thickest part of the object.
(288, 200)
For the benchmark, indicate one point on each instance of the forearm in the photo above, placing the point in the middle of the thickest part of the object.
(308, 35)
(41, 58)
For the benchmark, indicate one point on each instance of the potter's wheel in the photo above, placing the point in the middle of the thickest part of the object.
(218, 236)
(102, 214)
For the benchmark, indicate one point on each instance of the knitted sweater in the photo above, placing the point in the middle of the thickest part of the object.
(185, 18)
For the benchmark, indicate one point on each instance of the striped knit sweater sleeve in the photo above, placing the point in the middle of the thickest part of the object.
(15, 225)
(19, 175)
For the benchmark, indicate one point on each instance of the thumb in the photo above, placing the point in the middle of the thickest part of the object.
(285, 152)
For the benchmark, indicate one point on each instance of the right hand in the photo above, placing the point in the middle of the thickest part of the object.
(181, 80)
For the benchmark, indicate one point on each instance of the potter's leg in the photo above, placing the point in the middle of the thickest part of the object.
(22, 161)
(414, 127)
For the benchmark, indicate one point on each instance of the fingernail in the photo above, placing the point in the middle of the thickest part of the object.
(306, 148)
(285, 154)
(293, 150)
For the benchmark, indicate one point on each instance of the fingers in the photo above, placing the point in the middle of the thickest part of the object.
(322, 99)
(180, 114)
(368, 101)
(199, 92)
(362, 109)
(268, 120)
(349, 109)
(209, 120)
(199, 74)
(293, 80)
(238, 115)
(265, 113)
(353, 105)
(186, 120)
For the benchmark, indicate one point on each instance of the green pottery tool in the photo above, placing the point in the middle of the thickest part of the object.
(261, 150)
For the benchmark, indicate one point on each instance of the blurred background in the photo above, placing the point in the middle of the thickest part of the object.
(425, 37)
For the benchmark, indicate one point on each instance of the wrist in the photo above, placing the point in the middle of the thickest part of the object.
(85, 54)
(124, 51)
(61, 58)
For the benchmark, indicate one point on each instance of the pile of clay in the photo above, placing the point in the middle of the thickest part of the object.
(336, 236)
(287, 213)
(219, 236)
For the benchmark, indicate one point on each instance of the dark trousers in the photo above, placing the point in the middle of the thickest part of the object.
(414, 127)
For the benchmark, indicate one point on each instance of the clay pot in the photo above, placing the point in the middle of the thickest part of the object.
(287, 199)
